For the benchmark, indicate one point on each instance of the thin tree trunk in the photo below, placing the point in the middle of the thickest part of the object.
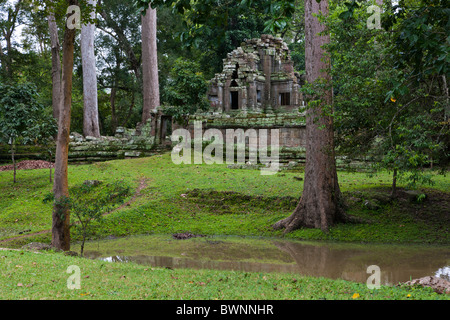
(61, 214)
(150, 79)
(83, 241)
(321, 203)
(8, 56)
(6, 63)
(13, 159)
(50, 165)
(130, 109)
(113, 109)
(394, 185)
(2, 58)
(90, 112)
(56, 66)
(445, 89)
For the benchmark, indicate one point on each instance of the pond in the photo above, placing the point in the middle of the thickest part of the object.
(397, 263)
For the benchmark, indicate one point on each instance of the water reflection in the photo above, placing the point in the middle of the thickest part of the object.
(443, 273)
(348, 262)
(397, 264)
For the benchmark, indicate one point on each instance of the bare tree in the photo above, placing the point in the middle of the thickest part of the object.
(150, 81)
(90, 112)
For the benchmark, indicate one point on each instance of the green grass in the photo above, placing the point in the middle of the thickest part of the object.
(210, 200)
(28, 275)
(215, 200)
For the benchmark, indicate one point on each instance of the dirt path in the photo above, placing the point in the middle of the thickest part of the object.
(142, 185)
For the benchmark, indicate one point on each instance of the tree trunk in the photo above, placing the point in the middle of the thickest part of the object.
(56, 66)
(90, 113)
(61, 214)
(13, 159)
(50, 165)
(149, 65)
(130, 110)
(394, 185)
(320, 204)
(2, 59)
(113, 110)
(445, 89)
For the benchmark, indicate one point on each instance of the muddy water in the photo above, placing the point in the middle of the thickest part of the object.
(330, 260)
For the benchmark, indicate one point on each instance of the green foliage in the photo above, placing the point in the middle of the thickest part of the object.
(89, 201)
(378, 115)
(43, 131)
(19, 110)
(185, 91)
(203, 13)
(421, 37)
(215, 28)
(298, 56)
(22, 118)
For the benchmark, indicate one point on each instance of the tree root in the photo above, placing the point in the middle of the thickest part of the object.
(296, 220)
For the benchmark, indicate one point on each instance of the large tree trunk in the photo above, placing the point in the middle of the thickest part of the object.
(149, 65)
(61, 213)
(90, 114)
(319, 206)
(56, 66)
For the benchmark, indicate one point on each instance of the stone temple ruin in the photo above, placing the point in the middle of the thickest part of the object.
(257, 77)
(257, 89)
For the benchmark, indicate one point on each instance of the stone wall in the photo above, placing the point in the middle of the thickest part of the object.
(127, 143)
(291, 126)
